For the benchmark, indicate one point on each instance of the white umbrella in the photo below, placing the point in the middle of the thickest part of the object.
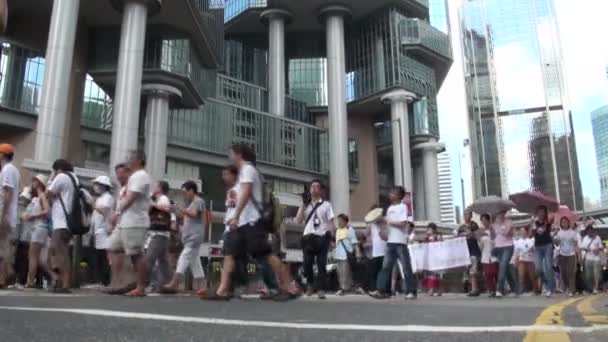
(491, 205)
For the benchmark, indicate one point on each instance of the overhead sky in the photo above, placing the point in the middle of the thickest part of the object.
(585, 54)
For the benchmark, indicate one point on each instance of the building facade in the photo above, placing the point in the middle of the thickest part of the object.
(599, 123)
(519, 118)
(446, 196)
(304, 83)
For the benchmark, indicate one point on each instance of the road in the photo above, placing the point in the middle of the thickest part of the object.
(91, 316)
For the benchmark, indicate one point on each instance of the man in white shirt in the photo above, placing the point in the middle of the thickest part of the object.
(592, 262)
(253, 230)
(119, 277)
(62, 192)
(396, 249)
(134, 220)
(9, 183)
(318, 219)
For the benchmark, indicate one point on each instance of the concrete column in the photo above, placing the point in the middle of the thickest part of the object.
(419, 212)
(157, 125)
(402, 163)
(431, 178)
(338, 129)
(127, 96)
(276, 19)
(54, 100)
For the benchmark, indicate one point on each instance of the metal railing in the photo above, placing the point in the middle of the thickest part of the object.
(277, 141)
(232, 8)
(212, 12)
(255, 97)
(419, 32)
(22, 73)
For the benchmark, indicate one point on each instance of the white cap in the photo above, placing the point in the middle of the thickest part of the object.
(26, 193)
(103, 180)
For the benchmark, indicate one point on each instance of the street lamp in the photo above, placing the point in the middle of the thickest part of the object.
(465, 143)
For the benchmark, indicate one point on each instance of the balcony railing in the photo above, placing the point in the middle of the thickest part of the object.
(277, 141)
(418, 32)
(255, 97)
(22, 73)
(232, 8)
(212, 12)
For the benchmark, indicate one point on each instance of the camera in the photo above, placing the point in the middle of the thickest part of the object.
(306, 199)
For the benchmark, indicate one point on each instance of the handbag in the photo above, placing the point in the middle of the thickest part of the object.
(350, 256)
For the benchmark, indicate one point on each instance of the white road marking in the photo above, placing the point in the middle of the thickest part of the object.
(314, 326)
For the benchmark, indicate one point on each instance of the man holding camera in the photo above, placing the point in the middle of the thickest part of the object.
(317, 215)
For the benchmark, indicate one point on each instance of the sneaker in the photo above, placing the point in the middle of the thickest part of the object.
(595, 292)
(492, 295)
(498, 294)
(548, 294)
(410, 296)
(321, 295)
(340, 293)
(309, 292)
(570, 294)
(269, 295)
(283, 296)
(473, 294)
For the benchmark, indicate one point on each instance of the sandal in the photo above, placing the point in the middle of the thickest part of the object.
(168, 290)
(201, 292)
(216, 297)
(136, 293)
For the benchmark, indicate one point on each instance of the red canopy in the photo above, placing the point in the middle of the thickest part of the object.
(529, 201)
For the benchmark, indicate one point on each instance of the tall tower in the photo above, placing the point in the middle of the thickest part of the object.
(519, 117)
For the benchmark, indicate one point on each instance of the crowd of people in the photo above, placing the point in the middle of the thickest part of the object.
(136, 220)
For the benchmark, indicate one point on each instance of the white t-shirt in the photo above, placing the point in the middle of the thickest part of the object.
(487, 246)
(319, 221)
(591, 246)
(102, 224)
(568, 240)
(62, 187)
(397, 213)
(249, 175)
(137, 214)
(10, 178)
(378, 245)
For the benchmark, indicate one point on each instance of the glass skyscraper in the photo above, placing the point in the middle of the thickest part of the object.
(519, 118)
(599, 122)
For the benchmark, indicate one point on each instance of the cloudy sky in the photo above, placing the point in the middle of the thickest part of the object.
(585, 54)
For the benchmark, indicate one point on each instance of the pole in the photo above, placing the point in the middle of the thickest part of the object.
(76, 254)
(401, 152)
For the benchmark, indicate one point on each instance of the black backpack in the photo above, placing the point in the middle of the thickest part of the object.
(78, 220)
(270, 209)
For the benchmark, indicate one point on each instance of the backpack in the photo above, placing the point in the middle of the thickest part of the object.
(78, 220)
(270, 209)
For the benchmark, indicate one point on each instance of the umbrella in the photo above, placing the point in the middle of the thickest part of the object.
(529, 201)
(564, 211)
(491, 205)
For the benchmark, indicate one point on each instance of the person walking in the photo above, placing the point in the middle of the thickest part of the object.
(377, 235)
(433, 279)
(502, 231)
(118, 283)
(318, 219)
(397, 219)
(543, 245)
(592, 248)
(134, 221)
(488, 261)
(347, 250)
(159, 235)
(38, 217)
(101, 222)
(9, 187)
(192, 238)
(567, 239)
(470, 230)
(524, 257)
(62, 191)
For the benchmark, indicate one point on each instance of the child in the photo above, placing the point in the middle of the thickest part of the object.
(432, 280)
(347, 249)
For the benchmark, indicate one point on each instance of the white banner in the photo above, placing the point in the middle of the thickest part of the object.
(438, 256)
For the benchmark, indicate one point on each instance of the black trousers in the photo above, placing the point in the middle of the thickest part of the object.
(374, 266)
(101, 267)
(320, 257)
(21, 265)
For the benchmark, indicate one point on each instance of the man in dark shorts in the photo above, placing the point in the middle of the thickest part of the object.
(470, 230)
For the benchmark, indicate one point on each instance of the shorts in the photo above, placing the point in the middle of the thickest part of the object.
(5, 248)
(474, 267)
(130, 240)
(251, 239)
(39, 235)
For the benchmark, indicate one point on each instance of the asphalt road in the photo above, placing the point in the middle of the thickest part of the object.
(90, 316)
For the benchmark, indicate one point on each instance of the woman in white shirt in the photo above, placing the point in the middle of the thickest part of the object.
(567, 239)
(524, 260)
(102, 228)
(38, 218)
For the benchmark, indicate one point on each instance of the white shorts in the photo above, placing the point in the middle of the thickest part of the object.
(39, 235)
(130, 240)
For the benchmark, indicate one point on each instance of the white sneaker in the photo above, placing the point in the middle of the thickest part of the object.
(410, 296)
(548, 294)
(570, 294)
(595, 292)
(499, 294)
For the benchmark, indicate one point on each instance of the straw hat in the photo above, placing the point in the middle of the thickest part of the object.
(42, 179)
(374, 215)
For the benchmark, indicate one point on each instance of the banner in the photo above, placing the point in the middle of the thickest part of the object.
(438, 256)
